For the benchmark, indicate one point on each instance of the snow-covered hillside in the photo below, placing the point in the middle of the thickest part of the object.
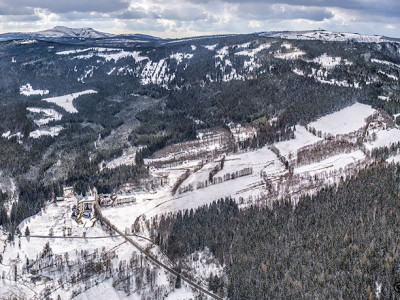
(249, 117)
(62, 258)
(344, 121)
(186, 176)
(44, 115)
(27, 90)
(250, 175)
(324, 35)
(62, 31)
(223, 58)
(66, 101)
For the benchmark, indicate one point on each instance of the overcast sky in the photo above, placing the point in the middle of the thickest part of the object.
(182, 18)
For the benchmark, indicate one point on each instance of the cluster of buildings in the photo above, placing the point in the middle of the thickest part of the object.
(84, 207)
(116, 199)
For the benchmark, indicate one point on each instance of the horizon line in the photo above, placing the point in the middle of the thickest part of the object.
(194, 34)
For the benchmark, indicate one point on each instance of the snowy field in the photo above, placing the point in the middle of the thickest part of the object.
(179, 57)
(183, 293)
(302, 138)
(253, 52)
(265, 166)
(106, 53)
(202, 174)
(126, 159)
(45, 130)
(294, 54)
(27, 90)
(347, 120)
(329, 62)
(46, 115)
(151, 204)
(211, 47)
(384, 138)
(332, 163)
(66, 100)
(104, 291)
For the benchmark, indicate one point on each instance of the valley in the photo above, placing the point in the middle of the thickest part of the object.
(107, 140)
(179, 180)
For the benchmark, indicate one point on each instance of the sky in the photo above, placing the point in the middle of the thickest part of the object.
(184, 18)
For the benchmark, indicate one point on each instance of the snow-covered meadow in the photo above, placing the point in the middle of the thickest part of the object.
(107, 54)
(347, 120)
(329, 62)
(66, 101)
(294, 53)
(302, 138)
(46, 130)
(27, 90)
(46, 115)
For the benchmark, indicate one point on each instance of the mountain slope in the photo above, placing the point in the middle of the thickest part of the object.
(323, 35)
(64, 32)
(166, 125)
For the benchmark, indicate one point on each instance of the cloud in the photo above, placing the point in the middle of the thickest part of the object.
(136, 15)
(174, 11)
(184, 14)
(196, 17)
(375, 7)
(262, 11)
(20, 18)
(10, 9)
(55, 6)
(148, 25)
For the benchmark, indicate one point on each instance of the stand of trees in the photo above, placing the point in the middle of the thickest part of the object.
(86, 174)
(339, 244)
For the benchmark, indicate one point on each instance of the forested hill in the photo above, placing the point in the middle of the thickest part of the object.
(340, 244)
(70, 102)
(158, 125)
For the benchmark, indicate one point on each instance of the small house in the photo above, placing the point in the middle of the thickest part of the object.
(105, 199)
(68, 191)
(86, 204)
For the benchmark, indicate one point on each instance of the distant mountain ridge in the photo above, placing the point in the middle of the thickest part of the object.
(324, 35)
(62, 31)
(65, 33)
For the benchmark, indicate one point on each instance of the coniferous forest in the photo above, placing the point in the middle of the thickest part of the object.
(342, 243)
